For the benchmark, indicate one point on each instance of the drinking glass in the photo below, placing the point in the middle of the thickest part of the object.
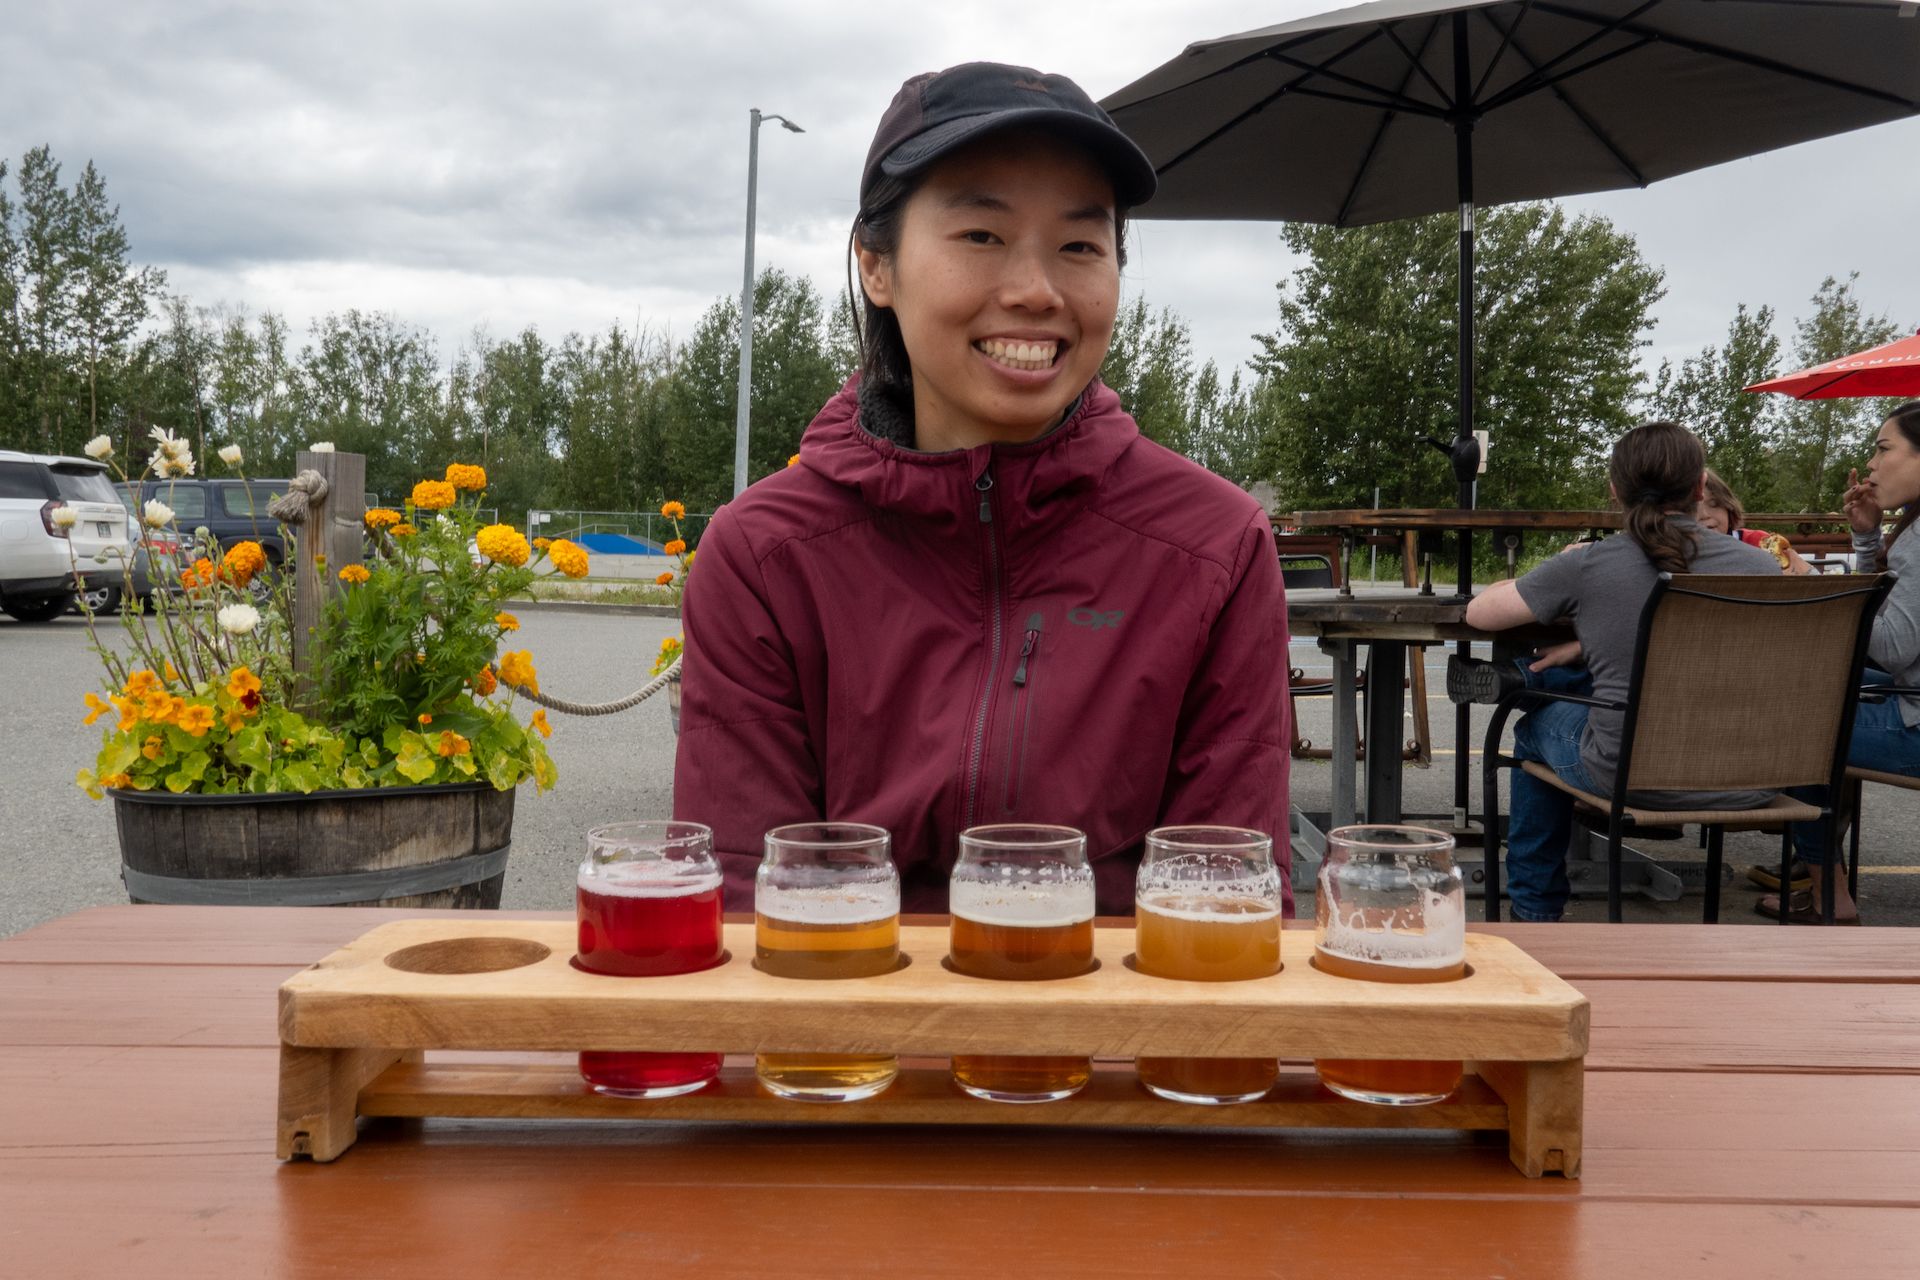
(648, 898)
(1021, 897)
(1207, 909)
(826, 904)
(1391, 908)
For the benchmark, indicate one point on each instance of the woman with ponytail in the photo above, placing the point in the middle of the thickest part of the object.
(1886, 735)
(1657, 475)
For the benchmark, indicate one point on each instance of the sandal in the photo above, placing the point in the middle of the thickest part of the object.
(1767, 876)
(1800, 910)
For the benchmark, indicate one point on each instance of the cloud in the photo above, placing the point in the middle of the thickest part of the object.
(573, 164)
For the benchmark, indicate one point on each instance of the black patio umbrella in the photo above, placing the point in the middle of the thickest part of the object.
(1403, 107)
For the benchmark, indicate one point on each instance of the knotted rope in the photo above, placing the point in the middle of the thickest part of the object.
(306, 489)
(633, 699)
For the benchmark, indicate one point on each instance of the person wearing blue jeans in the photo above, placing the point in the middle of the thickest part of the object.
(1541, 825)
(1886, 734)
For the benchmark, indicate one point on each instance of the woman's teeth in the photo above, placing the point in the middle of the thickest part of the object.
(1019, 355)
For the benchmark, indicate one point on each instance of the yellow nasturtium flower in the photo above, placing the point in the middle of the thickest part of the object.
(196, 719)
(517, 669)
(96, 708)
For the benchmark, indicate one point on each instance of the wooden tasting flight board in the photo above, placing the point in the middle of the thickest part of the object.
(353, 1028)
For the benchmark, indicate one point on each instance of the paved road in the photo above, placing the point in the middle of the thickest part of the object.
(58, 851)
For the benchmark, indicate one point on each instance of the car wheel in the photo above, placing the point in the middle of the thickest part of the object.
(102, 600)
(37, 608)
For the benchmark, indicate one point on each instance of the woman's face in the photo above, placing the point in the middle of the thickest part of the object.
(1005, 282)
(1895, 467)
(1712, 517)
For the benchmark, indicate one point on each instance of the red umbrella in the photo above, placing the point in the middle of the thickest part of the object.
(1891, 370)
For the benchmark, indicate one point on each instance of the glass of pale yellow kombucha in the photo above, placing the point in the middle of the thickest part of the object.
(1022, 901)
(1390, 908)
(1207, 909)
(826, 905)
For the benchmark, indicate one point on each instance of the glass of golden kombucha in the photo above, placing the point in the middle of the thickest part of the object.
(826, 904)
(648, 899)
(1390, 908)
(1207, 909)
(1021, 898)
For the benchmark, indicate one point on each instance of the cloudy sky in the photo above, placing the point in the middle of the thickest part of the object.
(488, 165)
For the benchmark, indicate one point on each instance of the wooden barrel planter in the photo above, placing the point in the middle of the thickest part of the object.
(432, 846)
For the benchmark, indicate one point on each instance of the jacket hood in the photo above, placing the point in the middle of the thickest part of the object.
(1065, 464)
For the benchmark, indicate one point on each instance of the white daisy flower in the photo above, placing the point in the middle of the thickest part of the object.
(230, 455)
(65, 517)
(99, 447)
(157, 514)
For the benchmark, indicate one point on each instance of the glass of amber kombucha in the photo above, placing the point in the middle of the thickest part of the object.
(648, 900)
(826, 904)
(1207, 909)
(1390, 908)
(1021, 897)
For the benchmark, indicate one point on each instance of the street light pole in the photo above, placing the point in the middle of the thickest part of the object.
(743, 411)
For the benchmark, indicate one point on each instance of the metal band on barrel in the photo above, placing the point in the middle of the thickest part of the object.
(318, 891)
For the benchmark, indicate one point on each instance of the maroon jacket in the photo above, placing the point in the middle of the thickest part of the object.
(1086, 629)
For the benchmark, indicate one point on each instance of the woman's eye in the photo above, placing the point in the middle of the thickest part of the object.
(977, 237)
(1083, 246)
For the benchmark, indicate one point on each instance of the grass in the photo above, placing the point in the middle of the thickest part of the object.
(622, 591)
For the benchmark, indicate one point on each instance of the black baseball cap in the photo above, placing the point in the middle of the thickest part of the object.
(940, 110)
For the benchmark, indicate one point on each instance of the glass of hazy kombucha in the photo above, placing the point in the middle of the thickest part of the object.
(648, 898)
(1207, 909)
(826, 904)
(1021, 897)
(1390, 908)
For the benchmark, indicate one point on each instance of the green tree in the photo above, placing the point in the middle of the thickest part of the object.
(111, 296)
(1706, 393)
(46, 292)
(1821, 439)
(372, 385)
(1149, 365)
(1364, 363)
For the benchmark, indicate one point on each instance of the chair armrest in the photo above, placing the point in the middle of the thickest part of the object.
(1881, 692)
(1578, 698)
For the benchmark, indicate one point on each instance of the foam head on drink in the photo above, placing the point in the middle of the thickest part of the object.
(1021, 931)
(1350, 948)
(838, 931)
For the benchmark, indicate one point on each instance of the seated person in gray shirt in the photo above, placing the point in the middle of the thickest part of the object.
(1657, 475)
(1886, 735)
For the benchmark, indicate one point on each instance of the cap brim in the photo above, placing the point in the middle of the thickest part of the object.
(1133, 178)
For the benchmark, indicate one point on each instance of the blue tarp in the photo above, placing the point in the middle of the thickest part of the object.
(619, 544)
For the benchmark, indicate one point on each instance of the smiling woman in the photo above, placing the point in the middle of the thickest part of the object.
(982, 596)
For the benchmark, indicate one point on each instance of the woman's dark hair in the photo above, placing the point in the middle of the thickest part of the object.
(1906, 418)
(876, 228)
(1721, 495)
(1656, 470)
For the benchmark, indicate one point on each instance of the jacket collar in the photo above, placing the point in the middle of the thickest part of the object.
(1064, 466)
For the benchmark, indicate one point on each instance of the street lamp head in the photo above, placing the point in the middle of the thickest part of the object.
(790, 126)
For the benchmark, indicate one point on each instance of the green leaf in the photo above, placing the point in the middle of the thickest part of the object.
(302, 776)
(414, 761)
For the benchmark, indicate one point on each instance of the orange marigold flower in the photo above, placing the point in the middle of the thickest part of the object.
(502, 544)
(452, 744)
(664, 580)
(675, 547)
(793, 460)
(96, 708)
(463, 475)
(484, 683)
(354, 574)
(568, 558)
(674, 510)
(154, 747)
(381, 518)
(404, 529)
(242, 561)
(241, 682)
(539, 722)
(432, 495)
(541, 544)
(506, 621)
(196, 719)
(517, 670)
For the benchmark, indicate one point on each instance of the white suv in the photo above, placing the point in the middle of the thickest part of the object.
(39, 553)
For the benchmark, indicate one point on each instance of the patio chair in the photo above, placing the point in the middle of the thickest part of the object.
(1706, 711)
(1857, 779)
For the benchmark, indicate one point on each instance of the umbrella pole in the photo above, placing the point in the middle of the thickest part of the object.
(1463, 161)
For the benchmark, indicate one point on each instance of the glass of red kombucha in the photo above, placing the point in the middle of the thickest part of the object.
(648, 898)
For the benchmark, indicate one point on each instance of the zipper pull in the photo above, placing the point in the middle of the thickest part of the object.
(984, 486)
(1026, 650)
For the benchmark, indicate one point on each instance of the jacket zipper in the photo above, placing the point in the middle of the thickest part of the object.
(1021, 717)
(984, 487)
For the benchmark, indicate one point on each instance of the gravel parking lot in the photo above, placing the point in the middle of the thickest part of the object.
(58, 851)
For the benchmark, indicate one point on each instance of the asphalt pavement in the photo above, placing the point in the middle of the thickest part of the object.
(58, 850)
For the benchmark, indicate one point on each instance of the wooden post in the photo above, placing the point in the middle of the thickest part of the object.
(330, 540)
